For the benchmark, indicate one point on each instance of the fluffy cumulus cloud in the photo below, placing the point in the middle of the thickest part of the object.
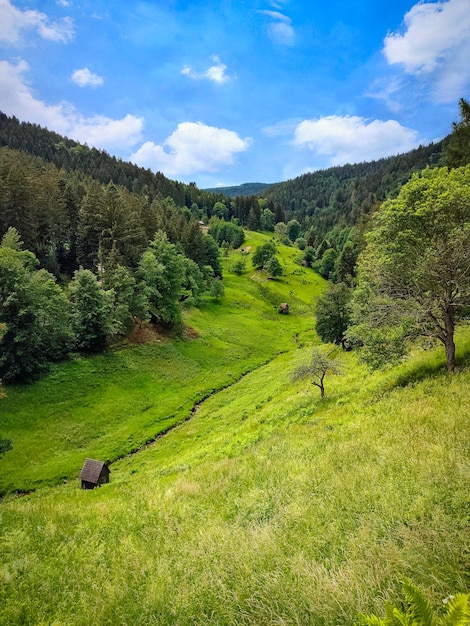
(217, 73)
(191, 148)
(353, 139)
(280, 28)
(85, 78)
(17, 98)
(14, 23)
(436, 40)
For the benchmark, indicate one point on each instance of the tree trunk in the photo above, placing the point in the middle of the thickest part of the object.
(449, 339)
(450, 352)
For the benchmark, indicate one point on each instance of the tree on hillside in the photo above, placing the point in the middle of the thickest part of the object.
(263, 254)
(34, 312)
(163, 272)
(319, 366)
(332, 314)
(293, 230)
(91, 311)
(414, 275)
(273, 267)
(457, 148)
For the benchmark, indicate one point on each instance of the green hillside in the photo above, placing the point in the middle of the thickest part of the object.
(264, 504)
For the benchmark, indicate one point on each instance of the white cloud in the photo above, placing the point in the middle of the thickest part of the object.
(280, 29)
(192, 147)
(436, 42)
(17, 98)
(13, 22)
(216, 73)
(353, 139)
(85, 78)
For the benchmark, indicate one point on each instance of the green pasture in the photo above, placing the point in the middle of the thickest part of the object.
(109, 405)
(267, 507)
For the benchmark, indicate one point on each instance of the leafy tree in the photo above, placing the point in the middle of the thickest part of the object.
(281, 231)
(332, 314)
(309, 255)
(217, 289)
(319, 366)
(419, 612)
(162, 270)
(414, 272)
(239, 266)
(293, 230)
(301, 243)
(33, 313)
(345, 265)
(267, 220)
(273, 267)
(210, 255)
(327, 263)
(194, 283)
(263, 254)
(457, 149)
(91, 311)
(128, 300)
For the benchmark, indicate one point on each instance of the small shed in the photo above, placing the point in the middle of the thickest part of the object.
(94, 474)
(283, 308)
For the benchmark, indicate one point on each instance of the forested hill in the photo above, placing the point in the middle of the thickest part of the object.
(341, 196)
(247, 189)
(97, 164)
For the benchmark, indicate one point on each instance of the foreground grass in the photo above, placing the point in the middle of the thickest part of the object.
(268, 507)
(108, 406)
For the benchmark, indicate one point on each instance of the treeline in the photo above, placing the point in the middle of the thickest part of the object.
(69, 220)
(41, 321)
(346, 195)
(82, 262)
(98, 164)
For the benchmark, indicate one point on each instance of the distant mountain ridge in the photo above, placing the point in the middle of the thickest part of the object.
(246, 189)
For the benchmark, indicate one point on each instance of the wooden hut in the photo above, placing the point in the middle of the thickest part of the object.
(94, 474)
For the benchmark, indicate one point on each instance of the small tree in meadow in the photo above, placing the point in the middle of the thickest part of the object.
(319, 366)
(273, 267)
(217, 289)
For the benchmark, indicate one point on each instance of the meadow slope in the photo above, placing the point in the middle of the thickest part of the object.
(269, 506)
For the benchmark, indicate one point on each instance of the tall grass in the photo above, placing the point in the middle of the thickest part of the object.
(269, 506)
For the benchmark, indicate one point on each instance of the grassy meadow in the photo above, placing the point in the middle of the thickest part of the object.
(267, 507)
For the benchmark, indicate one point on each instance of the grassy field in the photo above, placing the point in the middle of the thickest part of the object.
(269, 506)
(109, 405)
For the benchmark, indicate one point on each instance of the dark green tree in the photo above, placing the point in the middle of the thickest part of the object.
(273, 267)
(293, 230)
(128, 301)
(457, 147)
(217, 289)
(262, 254)
(332, 314)
(33, 311)
(91, 309)
(162, 270)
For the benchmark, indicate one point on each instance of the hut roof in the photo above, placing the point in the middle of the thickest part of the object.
(91, 470)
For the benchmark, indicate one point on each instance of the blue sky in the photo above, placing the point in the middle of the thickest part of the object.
(228, 92)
